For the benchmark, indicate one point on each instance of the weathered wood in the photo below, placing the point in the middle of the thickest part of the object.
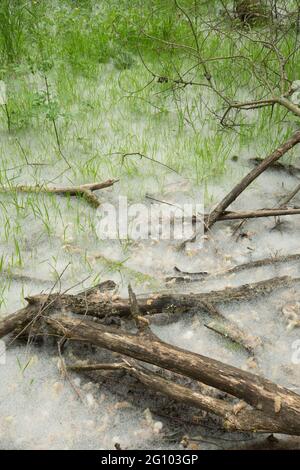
(202, 276)
(231, 331)
(259, 263)
(250, 177)
(17, 320)
(100, 304)
(187, 276)
(246, 420)
(85, 190)
(258, 213)
(79, 367)
(289, 169)
(232, 418)
(277, 409)
(47, 302)
(278, 403)
(215, 214)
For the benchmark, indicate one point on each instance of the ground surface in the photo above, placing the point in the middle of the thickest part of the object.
(102, 111)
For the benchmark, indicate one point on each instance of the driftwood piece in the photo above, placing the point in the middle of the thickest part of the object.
(274, 401)
(84, 190)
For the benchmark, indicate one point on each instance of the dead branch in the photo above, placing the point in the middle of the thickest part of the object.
(259, 213)
(99, 304)
(22, 318)
(250, 177)
(245, 182)
(289, 169)
(274, 401)
(231, 331)
(244, 420)
(78, 367)
(17, 320)
(262, 262)
(290, 196)
(84, 190)
(187, 276)
(155, 308)
(276, 409)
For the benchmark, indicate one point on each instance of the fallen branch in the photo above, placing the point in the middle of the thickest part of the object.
(78, 367)
(210, 220)
(99, 304)
(258, 213)
(22, 319)
(17, 320)
(277, 403)
(290, 196)
(229, 330)
(244, 420)
(84, 190)
(157, 308)
(187, 276)
(289, 169)
(250, 177)
(276, 409)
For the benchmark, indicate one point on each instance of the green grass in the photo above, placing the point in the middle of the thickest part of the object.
(104, 102)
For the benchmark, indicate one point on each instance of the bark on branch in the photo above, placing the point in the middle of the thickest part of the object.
(232, 418)
(279, 404)
(157, 308)
(100, 304)
(250, 177)
(245, 182)
(84, 190)
(276, 409)
(258, 213)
